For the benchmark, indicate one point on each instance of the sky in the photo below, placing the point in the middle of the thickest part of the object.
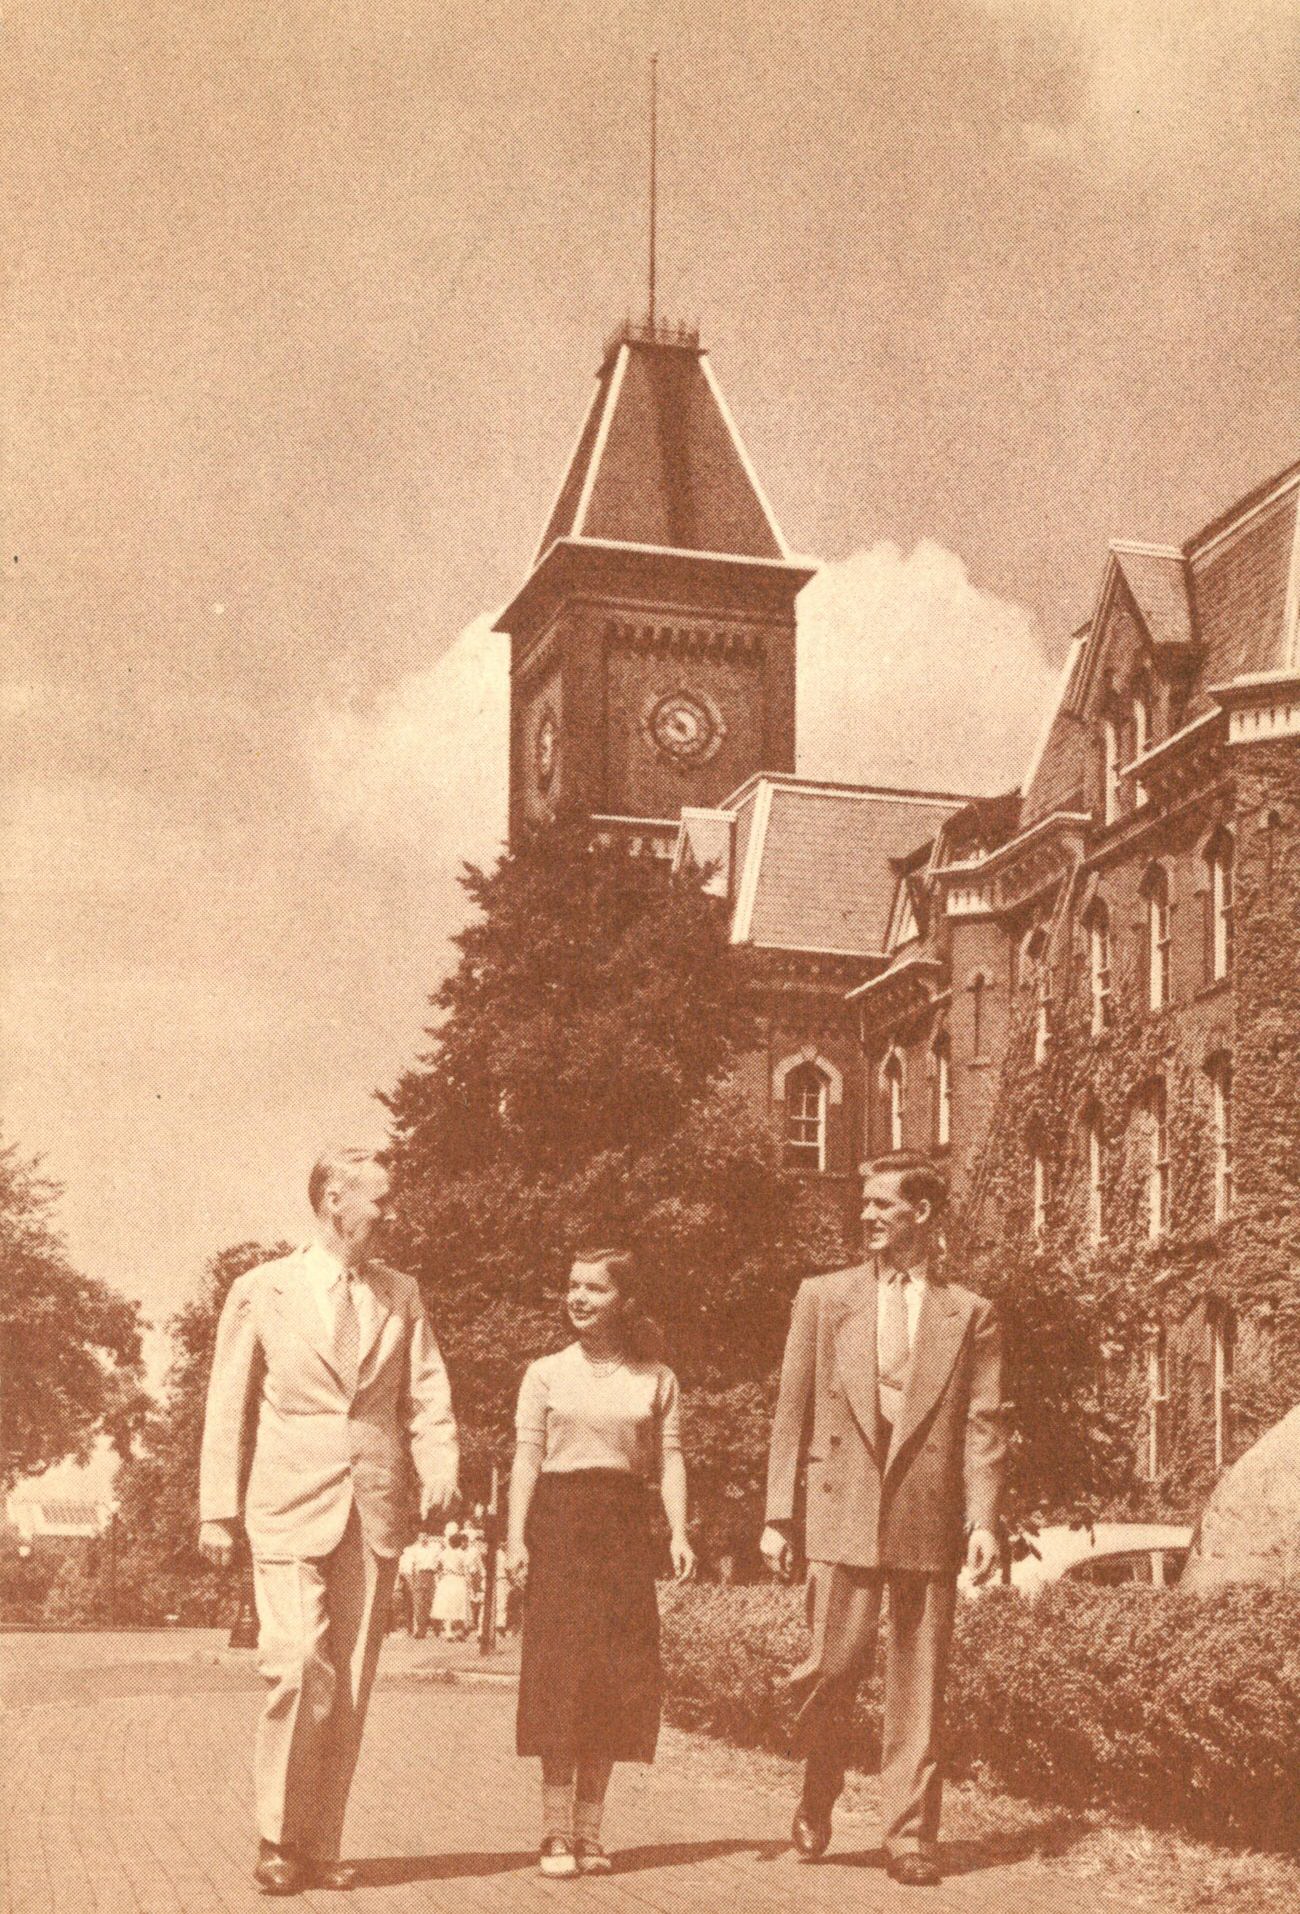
(301, 308)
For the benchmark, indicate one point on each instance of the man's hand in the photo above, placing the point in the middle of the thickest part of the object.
(517, 1563)
(217, 1543)
(777, 1553)
(982, 1554)
(438, 1498)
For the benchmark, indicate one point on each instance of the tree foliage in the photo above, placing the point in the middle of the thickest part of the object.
(577, 1089)
(69, 1345)
(156, 1569)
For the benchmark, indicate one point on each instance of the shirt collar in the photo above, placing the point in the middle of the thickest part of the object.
(915, 1273)
(323, 1267)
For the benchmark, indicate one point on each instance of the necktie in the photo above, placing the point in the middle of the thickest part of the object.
(895, 1345)
(347, 1338)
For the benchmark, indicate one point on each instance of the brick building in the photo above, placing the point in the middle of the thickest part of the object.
(1083, 994)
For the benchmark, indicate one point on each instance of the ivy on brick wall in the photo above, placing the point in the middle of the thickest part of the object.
(1080, 1317)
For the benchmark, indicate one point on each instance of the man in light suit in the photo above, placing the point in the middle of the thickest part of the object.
(891, 1402)
(327, 1398)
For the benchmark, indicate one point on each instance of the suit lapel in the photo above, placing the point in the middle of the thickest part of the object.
(939, 1334)
(381, 1308)
(855, 1352)
(300, 1310)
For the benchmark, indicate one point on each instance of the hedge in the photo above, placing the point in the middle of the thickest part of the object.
(1174, 1709)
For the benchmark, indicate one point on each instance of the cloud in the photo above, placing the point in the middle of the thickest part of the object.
(910, 674)
(425, 769)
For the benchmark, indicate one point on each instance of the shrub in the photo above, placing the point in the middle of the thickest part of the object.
(1176, 1709)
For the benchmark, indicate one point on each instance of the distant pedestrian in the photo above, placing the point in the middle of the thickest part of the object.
(597, 1430)
(426, 1560)
(451, 1610)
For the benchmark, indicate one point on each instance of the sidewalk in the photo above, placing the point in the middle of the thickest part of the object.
(127, 1791)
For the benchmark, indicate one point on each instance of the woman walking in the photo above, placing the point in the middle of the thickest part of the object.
(597, 1429)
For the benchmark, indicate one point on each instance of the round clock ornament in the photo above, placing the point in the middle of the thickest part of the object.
(684, 726)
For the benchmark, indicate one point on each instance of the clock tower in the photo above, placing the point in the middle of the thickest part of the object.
(653, 642)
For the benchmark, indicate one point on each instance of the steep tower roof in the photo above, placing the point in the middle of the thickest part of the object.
(659, 462)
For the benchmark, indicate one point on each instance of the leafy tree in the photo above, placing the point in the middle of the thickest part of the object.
(154, 1568)
(69, 1345)
(577, 1089)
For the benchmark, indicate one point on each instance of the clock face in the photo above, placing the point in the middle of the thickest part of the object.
(685, 726)
(546, 750)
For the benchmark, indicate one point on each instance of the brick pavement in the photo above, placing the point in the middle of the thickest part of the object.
(126, 1790)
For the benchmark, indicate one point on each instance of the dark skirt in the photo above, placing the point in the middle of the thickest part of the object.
(589, 1680)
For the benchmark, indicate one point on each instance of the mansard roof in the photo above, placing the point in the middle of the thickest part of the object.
(1228, 601)
(659, 461)
(816, 863)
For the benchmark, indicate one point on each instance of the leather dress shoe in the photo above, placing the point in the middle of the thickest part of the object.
(335, 1875)
(810, 1832)
(913, 1870)
(278, 1870)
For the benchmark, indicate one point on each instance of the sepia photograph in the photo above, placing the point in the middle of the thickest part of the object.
(650, 963)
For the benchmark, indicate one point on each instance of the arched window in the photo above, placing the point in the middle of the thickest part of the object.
(1157, 1120)
(1219, 1071)
(805, 1118)
(1223, 1353)
(1097, 925)
(1094, 1149)
(1141, 707)
(1157, 1401)
(942, 1091)
(1111, 760)
(1218, 906)
(893, 1083)
(1155, 894)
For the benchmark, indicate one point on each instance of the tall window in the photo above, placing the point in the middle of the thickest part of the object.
(1098, 928)
(1110, 767)
(1094, 1148)
(1218, 906)
(1141, 735)
(978, 985)
(1223, 1351)
(1034, 973)
(942, 1091)
(1038, 1162)
(1157, 1116)
(1157, 1402)
(805, 1118)
(1155, 891)
(893, 1082)
(1220, 1073)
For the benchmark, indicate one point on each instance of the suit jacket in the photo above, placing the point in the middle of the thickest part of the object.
(909, 1508)
(284, 1445)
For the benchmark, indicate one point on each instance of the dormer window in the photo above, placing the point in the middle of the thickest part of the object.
(1141, 707)
(1112, 758)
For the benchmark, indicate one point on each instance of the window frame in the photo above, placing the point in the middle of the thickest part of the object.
(797, 1152)
(1219, 1071)
(893, 1078)
(1159, 1206)
(1157, 1401)
(1157, 898)
(1220, 897)
(1097, 927)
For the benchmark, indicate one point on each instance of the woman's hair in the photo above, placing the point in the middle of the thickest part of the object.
(640, 1335)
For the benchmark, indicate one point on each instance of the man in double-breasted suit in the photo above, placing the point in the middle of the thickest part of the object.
(890, 1412)
(328, 1403)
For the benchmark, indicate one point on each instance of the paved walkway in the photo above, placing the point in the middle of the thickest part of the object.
(126, 1791)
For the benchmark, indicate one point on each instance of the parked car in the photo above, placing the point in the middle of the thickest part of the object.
(1108, 1555)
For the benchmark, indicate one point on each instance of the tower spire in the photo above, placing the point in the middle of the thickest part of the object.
(654, 196)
